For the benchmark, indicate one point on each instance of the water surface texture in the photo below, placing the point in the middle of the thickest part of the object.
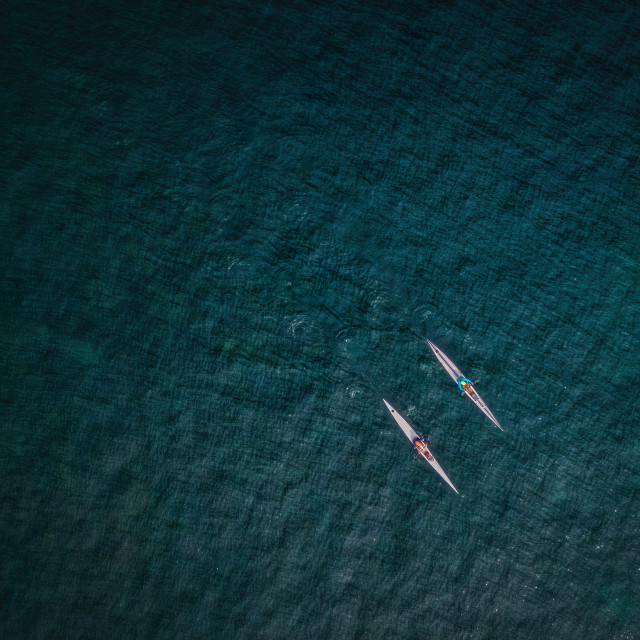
(226, 228)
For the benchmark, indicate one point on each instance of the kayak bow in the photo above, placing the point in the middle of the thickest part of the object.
(464, 383)
(419, 444)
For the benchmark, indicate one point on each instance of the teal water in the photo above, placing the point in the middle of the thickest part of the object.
(223, 225)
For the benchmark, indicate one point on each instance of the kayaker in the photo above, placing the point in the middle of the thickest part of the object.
(467, 386)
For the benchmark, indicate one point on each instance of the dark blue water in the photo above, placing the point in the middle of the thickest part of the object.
(225, 227)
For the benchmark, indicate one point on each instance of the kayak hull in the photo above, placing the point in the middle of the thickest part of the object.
(413, 436)
(455, 373)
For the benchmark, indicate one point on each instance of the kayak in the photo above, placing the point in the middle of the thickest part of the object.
(464, 383)
(419, 444)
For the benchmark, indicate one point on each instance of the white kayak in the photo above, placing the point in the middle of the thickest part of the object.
(464, 383)
(419, 444)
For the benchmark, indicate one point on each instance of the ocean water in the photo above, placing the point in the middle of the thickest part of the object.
(226, 229)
